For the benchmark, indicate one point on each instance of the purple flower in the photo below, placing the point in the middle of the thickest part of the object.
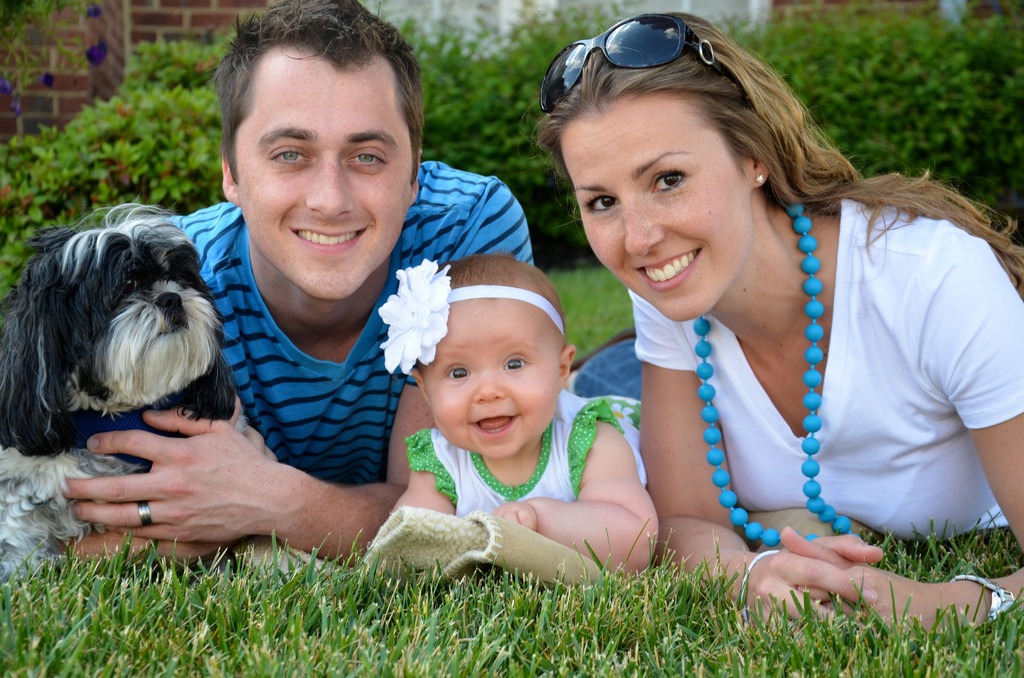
(93, 11)
(16, 105)
(46, 79)
(5, 86)
(97, 53)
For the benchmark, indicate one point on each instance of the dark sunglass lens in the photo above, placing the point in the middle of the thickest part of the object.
(644, 42)
(562, 75)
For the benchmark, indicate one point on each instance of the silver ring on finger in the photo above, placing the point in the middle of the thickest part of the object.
(145, 515)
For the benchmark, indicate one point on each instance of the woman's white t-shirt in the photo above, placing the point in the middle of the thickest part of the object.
(926, 343)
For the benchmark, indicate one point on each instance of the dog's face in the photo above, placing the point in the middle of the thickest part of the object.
(109, 319)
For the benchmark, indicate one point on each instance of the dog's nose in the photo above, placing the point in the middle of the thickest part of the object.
(170, 305)
(168, 301)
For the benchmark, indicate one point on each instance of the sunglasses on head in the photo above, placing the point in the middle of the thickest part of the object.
(642, 41)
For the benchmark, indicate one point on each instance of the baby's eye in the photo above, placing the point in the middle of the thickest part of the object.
(514, 364)
(458, 373)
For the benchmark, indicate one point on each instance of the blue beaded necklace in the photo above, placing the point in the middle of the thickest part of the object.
(812, 401)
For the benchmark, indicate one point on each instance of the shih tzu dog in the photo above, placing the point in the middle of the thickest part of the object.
(105, 322)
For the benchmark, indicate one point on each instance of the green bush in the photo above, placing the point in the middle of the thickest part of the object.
(900, 92)
(155, 145)
(911, 92)
(187, 64)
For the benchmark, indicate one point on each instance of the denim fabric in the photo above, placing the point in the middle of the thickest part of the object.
(614, 370)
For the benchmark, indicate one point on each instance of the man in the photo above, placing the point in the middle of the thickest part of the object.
(322, 122)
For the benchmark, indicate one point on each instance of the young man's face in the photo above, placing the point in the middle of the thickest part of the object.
(324, 175)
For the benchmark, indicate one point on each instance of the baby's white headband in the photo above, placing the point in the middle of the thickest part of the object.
(417, 315)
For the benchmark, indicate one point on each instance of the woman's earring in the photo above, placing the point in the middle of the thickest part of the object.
(760, 179)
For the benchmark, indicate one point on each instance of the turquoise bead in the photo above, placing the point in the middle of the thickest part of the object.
(813, 287)
(754, 531)
(812, 378)
(810, 265)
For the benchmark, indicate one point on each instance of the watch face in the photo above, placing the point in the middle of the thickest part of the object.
(1001, 601)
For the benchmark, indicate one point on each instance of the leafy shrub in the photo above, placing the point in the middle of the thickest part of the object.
(911, 92)
(188, 64)
(157, 146)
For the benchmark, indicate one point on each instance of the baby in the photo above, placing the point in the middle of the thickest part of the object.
(484, 339)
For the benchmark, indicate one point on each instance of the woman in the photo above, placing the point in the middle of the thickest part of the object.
(786, 305)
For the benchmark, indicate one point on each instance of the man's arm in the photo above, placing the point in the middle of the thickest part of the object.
(217, 486)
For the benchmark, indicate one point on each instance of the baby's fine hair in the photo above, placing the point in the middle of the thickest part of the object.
(503, 269)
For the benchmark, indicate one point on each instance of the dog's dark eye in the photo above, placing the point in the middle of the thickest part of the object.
(130, 284)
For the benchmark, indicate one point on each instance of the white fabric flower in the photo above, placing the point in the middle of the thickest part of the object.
(416, 316)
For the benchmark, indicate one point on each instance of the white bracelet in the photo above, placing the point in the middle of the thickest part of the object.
(746, 576)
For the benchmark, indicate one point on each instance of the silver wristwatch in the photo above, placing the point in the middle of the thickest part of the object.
(1001, 598)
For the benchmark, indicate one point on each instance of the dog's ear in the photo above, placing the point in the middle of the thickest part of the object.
(212, 396)
(35, 363)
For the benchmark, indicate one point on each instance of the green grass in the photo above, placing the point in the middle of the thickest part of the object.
(123, 617)
(596, 305)
(145, 617)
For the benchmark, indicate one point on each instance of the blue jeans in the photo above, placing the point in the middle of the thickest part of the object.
(613, 370)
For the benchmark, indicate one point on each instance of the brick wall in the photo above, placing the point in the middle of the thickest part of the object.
(177, 19)
(121, 24)
(75, 82)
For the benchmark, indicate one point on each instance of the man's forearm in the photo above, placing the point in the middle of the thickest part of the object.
(333, 519)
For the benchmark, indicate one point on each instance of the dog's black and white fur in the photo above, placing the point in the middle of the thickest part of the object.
(110, 319)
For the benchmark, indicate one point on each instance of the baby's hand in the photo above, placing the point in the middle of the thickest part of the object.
(518, 512)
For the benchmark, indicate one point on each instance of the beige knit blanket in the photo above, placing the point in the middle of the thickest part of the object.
(422, 539)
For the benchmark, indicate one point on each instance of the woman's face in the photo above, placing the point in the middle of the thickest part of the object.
(665, 204)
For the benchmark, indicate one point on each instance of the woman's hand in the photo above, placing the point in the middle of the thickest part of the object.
(820, 572)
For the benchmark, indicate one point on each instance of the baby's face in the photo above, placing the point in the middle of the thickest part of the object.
(494, 384)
